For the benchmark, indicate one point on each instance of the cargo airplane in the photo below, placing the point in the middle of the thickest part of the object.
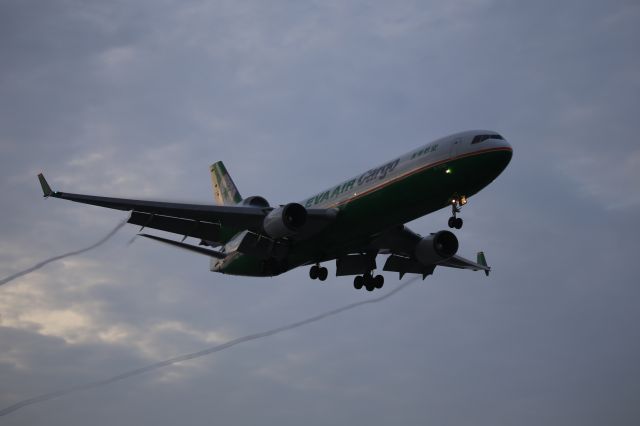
(352, 222)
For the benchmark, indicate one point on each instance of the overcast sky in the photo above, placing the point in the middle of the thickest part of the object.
(136, 99)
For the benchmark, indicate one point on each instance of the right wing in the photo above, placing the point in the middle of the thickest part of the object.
(194, 220)
(235, 216)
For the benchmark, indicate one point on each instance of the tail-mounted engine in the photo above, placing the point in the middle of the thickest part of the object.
(254, 201)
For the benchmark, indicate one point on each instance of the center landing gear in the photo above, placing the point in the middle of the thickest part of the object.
(318, 272)
(456, 206)
(368, 281)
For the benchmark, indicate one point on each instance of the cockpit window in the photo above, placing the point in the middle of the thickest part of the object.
(482, 138)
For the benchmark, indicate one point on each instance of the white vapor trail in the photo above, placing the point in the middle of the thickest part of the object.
(194, 355)
(103, 240)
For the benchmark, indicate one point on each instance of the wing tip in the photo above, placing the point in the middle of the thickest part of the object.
(46, 189)
(482, 260)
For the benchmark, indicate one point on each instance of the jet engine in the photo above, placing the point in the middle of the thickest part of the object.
(254, 201)
(436, 248)
(285, 220)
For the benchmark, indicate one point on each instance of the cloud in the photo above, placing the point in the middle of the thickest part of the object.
(136, 100)
(610, 180)
(195, 355)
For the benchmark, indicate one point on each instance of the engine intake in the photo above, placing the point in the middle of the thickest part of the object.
(255, 201)
(285, 220)
(436, 248)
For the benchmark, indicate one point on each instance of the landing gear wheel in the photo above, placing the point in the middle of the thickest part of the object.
(452, 222)
(369, 282)
(457, 223)
(358, 282)
(323, 273)
(314, 272)
(378, 281)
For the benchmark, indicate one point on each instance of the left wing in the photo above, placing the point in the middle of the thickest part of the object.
(462, 263)
(400, 243)
(407, 265)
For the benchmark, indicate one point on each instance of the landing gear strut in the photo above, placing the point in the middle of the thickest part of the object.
(368, 281)
(318, 272)
(456, 206)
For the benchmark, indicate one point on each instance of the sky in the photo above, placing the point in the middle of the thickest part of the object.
(137, 99)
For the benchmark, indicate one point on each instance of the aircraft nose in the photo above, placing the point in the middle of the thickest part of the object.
(504, 144)
(504, 147)
(499, 142)
(497, 153)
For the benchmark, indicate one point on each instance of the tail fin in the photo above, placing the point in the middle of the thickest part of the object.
(224, 189)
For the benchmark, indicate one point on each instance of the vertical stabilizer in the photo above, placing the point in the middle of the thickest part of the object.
(224, 190)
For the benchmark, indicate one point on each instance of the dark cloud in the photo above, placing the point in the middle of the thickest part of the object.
(137, 100)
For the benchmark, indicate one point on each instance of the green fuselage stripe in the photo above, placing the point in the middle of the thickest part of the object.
(410, 173)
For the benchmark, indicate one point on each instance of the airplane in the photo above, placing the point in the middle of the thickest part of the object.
(352, 222)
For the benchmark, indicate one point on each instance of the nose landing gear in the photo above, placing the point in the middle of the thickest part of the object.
(456, 206)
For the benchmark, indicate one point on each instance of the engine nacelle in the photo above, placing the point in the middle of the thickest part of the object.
(254, 201)
(285, 220)
(436, 248)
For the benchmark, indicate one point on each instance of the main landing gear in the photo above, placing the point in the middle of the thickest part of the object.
(456, 206)
(368, 281)
(318, 272)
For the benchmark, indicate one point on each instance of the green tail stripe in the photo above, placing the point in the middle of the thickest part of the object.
(224, 190)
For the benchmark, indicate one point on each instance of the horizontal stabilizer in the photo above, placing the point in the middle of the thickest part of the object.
(197, 249)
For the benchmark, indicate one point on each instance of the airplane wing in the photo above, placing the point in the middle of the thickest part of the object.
(195, 220)
(407, 265)
(399, 242)
(462, 263)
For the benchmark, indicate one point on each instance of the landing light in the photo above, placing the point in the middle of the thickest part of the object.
(448, 171)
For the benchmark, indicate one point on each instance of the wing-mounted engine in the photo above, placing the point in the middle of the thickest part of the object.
(285, 221)
(412, 254)
(436, 248)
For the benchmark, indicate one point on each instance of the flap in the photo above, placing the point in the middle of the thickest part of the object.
(192, 228)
